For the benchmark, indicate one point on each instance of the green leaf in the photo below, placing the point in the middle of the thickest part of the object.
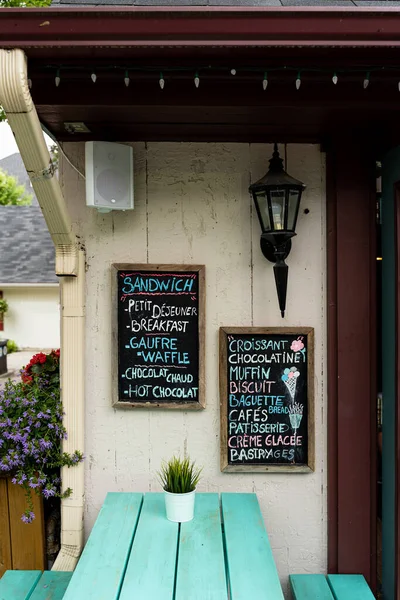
(11, 193)
(179, 476)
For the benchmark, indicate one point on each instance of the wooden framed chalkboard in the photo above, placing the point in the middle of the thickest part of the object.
(267, 399)
(158, 336)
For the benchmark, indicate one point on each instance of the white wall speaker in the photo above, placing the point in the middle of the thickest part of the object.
(109, 176)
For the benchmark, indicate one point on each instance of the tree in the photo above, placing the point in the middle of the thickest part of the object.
(54, 154)
(24, 3)
(11, 193)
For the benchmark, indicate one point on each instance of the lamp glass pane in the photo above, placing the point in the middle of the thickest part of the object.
(294, 196)
(278, 208)
(262, 204)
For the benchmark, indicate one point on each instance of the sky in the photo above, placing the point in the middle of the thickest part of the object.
(7, 141)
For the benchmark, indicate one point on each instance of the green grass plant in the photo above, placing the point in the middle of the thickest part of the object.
(179, 476)
(12, 346)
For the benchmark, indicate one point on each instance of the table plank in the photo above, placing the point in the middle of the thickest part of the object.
(151, 567)
(52, 585)
(310, 587)
(251, 567)
(99, 572)
(201, 564)
(18, 585)
(350, 587)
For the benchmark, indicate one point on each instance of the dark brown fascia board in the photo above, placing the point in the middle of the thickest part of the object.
(198, 26)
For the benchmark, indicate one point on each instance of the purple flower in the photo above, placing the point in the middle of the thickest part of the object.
(75, 458)
(48, 492)
(31, 430)
(28, 516)
(45, 445)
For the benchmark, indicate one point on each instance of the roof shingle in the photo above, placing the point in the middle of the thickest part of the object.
(26, 248)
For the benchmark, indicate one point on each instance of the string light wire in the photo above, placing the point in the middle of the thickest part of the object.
(59, 146)
(245, 70)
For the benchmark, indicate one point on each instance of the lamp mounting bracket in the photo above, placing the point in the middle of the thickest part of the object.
(276, 246)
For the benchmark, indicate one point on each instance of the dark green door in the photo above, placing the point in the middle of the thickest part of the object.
(390, 374)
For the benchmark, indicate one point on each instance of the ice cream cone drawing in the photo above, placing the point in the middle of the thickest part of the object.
(295, 416)
(289, 378)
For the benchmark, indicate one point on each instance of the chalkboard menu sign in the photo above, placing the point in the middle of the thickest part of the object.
(159, 336)
(266, 396)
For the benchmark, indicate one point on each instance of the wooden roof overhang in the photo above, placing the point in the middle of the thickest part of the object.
(211, 40)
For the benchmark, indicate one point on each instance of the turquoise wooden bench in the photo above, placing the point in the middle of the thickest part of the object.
(134, 552)
(34, 585)
(332, 587)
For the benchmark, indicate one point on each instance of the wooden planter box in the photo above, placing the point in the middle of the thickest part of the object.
(22, 546)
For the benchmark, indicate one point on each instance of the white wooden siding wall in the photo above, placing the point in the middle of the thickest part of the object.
(192, 206)
(33, 317)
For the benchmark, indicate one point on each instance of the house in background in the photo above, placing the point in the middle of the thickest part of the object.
(27, 279)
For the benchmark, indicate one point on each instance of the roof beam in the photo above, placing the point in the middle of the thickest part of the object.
(198, 26)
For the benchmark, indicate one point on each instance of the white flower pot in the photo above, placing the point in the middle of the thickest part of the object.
(179, 507)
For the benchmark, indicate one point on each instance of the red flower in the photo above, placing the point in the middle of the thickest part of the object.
(40, 359)
(37, 358)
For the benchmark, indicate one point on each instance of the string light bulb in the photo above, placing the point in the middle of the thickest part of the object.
(398, 85)
(58, 78)
(335, 79)
(126, 79)
(196, 80)
(93, 77)
(366, 80)
(265, 81)
(298, 81)
(161, 81)
(233, 71)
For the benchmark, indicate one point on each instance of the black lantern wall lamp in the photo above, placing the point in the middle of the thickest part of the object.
(277, 199)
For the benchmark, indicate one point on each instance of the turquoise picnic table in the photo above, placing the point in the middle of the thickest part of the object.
(134, 552)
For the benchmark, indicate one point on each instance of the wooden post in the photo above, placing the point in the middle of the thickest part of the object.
(5, 541)
(22, 545)
(351, 352)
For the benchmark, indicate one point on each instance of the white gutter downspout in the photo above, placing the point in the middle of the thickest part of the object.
(17, 102)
